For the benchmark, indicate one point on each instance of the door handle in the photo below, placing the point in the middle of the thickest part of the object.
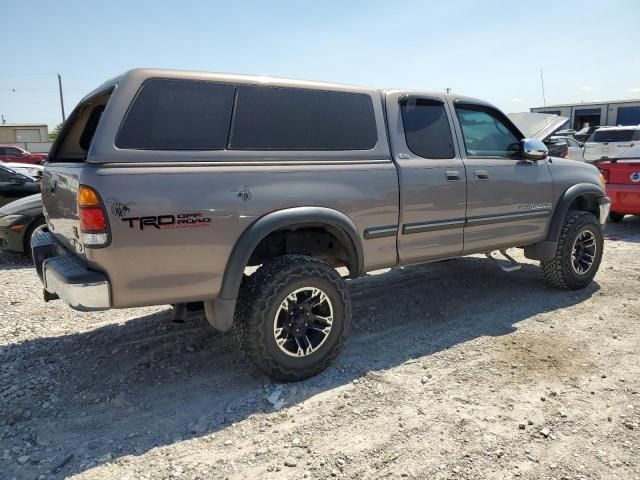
(453, 175)
(481, 175)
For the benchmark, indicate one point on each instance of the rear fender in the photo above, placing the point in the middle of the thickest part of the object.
(220, 311)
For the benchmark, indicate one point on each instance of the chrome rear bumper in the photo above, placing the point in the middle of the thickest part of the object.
(66, 276)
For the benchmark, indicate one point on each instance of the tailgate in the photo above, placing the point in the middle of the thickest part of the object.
(63, 171)
(625, 173)
(60, 201)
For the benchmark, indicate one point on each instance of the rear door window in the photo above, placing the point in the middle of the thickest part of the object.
(178, 115)
(427, 129)
(278, 118)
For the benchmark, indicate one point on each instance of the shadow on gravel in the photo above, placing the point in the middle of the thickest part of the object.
(14, 261)
(627, 231)
(123, 389)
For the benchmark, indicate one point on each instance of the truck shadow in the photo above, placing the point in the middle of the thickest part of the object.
(122, 389)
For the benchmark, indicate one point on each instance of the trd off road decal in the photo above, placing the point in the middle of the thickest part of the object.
(181, 220)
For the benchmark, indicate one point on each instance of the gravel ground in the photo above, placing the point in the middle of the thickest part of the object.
(454, 370)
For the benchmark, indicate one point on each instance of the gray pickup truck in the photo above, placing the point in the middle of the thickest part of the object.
(164, 186)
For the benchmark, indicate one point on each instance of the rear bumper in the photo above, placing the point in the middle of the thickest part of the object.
(604, 204)
(68, 277)
(624, 198)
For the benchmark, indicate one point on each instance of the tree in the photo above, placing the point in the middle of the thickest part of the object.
(56, 131)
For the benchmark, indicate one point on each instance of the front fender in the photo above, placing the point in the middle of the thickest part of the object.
(546, 249)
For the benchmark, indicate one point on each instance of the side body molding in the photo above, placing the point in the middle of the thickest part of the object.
(220, 311)
(545, 250)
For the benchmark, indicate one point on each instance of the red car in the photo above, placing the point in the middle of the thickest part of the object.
(622, 175)
(9, 153)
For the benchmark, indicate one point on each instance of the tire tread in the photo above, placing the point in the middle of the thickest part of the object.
(258, 292)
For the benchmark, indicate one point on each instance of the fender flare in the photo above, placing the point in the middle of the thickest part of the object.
(565, 202)
(220, 311)
(546, 249)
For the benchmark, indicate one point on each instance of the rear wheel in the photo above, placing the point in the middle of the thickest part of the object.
(292, 317)
(578, 253)
(616, 217)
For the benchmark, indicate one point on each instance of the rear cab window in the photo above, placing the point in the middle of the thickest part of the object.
(178, 115)
(168, 114)
(275, 118)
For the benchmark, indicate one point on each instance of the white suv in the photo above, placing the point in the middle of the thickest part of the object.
(609, 142)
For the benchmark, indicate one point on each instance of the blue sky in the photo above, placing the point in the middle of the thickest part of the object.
(489, 49)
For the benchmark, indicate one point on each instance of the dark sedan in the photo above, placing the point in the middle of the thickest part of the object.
(18, 220)
(14, 185)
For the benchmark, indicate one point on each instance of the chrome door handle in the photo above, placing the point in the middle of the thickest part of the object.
(453, 175)
(481, 175)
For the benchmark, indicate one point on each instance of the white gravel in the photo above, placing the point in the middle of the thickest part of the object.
(454, 370)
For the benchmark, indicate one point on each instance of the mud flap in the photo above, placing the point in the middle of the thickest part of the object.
(219, 313)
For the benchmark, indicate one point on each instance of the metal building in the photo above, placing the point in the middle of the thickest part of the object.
(620, 112)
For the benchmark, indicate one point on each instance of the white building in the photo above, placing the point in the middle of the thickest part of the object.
(620, 112)
(33, 137)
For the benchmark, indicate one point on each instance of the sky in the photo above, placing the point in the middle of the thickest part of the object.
(494, 50)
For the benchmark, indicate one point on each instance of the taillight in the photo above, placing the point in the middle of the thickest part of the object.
(605, 175)
(94, 223)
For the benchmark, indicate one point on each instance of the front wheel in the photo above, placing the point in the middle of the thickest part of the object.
(292, 317)
(578, 253)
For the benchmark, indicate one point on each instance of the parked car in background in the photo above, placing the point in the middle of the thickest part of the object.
(584, 134)
(575, 148)
(557, 147)
(610, 142)
(18, 220)
(568, 132)
(33, 171)
(10, 153)
(14, 185)
(622, 176)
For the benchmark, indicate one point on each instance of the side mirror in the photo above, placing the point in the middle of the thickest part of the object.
(533, 149)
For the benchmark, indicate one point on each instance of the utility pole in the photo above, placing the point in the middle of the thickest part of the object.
(61, 99)
(544, 99)
(3, 120)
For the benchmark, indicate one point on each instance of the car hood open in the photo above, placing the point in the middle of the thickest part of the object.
(537, 125)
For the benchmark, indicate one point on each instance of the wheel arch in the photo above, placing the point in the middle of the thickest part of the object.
(220, 311)
(26, 239)
(581, 196)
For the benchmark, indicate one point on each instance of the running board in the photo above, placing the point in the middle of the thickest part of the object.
(511, 265)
